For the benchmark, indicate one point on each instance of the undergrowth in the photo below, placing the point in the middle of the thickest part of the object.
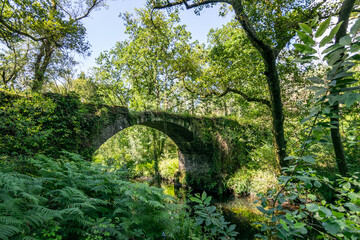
(69, 198)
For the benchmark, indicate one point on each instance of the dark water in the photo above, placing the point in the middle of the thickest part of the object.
(239, 211)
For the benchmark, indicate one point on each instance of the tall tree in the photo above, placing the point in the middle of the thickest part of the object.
(269, 27)
(150, 65)
(344, 16)
(51, 26)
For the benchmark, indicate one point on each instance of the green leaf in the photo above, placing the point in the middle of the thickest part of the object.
(334, 56)
(207, 200)
(331, 227)
(312, 207)
(311, 196)
(355, 28)
(299, 225)
(326, 211)
(305, 49)
(351, 99)
(314, 21)
(305, 38)
(355, 47)
(346, 40)
(335, 30)
(203, 196)
(207, 222)
(343, 74)
(332, 48)
(317, 184)
(315, 79)
(328, 38)
(352, 207)
(308, 159)
(195, 200)
(199, 221)
(306, 28)
(325, 40)
(338, 214)
(289, 158)
(285, 226)
(323, 27)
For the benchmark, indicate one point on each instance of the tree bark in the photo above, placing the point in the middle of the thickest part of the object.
(269, 56)
(344, 16)
(41, 64)
(273, 82)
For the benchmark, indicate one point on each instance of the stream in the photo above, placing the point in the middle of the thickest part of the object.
(239, 211)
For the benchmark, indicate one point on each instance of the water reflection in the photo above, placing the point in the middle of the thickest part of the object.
(239, 211)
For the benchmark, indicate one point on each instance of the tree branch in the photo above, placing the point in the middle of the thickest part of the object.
(2, 22)
(307, 16)
(241, 16)
(231, 90)
(94, 4)
(187, 5)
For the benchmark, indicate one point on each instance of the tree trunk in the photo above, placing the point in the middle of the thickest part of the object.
(41, 64)
(156, 159)
(273, 82)
(269, 56)
(344, 16)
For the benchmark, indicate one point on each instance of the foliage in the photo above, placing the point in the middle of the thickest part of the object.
(41, 123)
(297, 213)
(38, 36)
(215, 225)
(145, 72)
(169, 167)
(250, 181)
(295, 210)
(135, 147)
(334, 88)
(68, 198)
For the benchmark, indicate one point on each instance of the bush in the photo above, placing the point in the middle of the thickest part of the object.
(168, 168)
(247, 181)
(74, 199)
(69, 198)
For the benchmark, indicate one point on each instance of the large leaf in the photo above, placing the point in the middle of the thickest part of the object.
(308, 159)
(351, 99)
(331, 227)
(305, 38)
(305, 49)
(332, 48)
(346, 40)
(334, 56)
(328, 38)
(312, 207)
(305, 28)
(355, 28)
(322, 28)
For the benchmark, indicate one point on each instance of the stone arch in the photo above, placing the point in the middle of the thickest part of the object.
(194, 155)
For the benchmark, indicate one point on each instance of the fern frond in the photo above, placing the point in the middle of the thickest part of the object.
(10, 220)
(7, 231)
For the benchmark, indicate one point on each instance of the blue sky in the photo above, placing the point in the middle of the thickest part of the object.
(105, 28)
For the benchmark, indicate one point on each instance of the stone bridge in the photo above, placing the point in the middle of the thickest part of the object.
(210, 149)
(195, 153)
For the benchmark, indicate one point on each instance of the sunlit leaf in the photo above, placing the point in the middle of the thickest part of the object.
(306, 28)
(322, 28)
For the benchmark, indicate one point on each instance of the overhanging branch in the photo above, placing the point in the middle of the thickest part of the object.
(231, 90)
(187, 5)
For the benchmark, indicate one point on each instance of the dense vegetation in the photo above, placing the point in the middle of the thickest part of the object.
(286, 69)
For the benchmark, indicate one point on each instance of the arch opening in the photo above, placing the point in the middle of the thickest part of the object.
(144, 151)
